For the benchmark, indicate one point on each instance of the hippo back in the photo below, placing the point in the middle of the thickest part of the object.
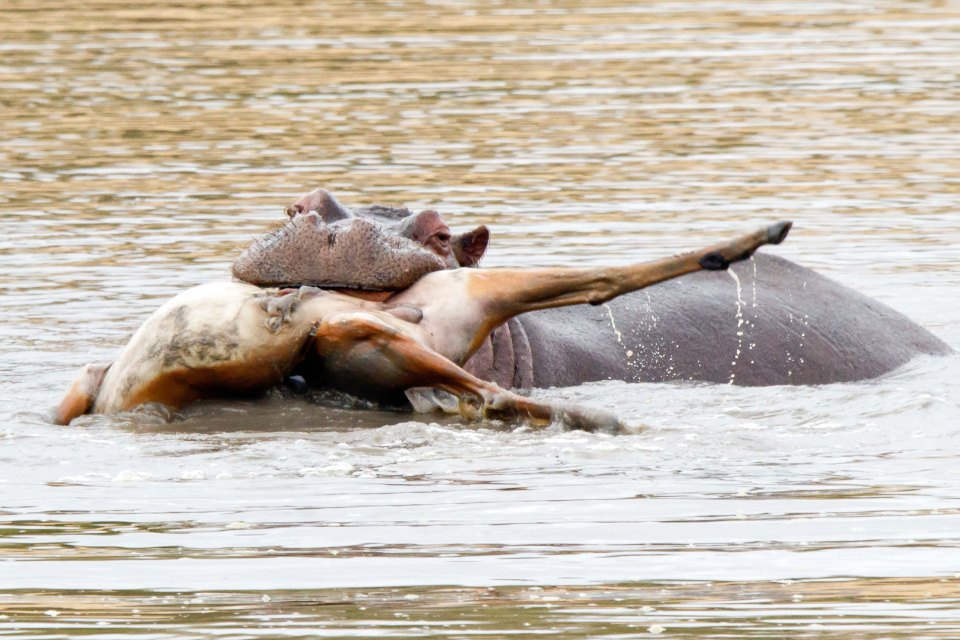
(787, 325)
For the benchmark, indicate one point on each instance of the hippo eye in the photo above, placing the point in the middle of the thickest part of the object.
(443, 237)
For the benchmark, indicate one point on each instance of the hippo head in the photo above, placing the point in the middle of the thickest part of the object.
(328, 245)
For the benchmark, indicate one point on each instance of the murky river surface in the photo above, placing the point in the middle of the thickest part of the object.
(142, 144)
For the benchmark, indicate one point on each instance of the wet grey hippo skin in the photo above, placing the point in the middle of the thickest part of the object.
(797, 326)
(789, 325)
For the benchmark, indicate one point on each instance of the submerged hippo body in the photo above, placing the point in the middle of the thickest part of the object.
(789, 325)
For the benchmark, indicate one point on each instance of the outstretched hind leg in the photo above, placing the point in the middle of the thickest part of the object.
(367, 347)
(82, 393)
(463, 306)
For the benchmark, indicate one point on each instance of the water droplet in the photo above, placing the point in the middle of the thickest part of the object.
(739, 316)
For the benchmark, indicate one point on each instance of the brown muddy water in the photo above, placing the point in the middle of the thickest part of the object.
(142, 144)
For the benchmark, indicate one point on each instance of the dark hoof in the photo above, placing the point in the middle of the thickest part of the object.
(777, 232)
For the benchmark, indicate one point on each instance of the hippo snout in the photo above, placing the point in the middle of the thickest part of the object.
(353, 253)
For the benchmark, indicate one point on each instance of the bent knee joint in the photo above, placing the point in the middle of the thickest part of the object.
(603, 290)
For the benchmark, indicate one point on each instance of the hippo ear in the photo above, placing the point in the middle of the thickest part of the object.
(469, 247)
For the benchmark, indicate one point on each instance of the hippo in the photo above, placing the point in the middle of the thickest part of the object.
(236, 338)
(768, 321)
(374, 249)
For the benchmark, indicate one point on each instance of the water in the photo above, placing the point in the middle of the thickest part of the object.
(142, 145)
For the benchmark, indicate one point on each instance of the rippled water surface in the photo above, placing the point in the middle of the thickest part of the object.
(142, 144)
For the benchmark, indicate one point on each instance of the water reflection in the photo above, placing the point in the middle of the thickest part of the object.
(837, 609)
(141, 145)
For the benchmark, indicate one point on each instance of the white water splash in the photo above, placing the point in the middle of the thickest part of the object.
(655, 347)
(753, 305)
(796, 358)
(613, 324)
(736, 357)
(803, 333)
